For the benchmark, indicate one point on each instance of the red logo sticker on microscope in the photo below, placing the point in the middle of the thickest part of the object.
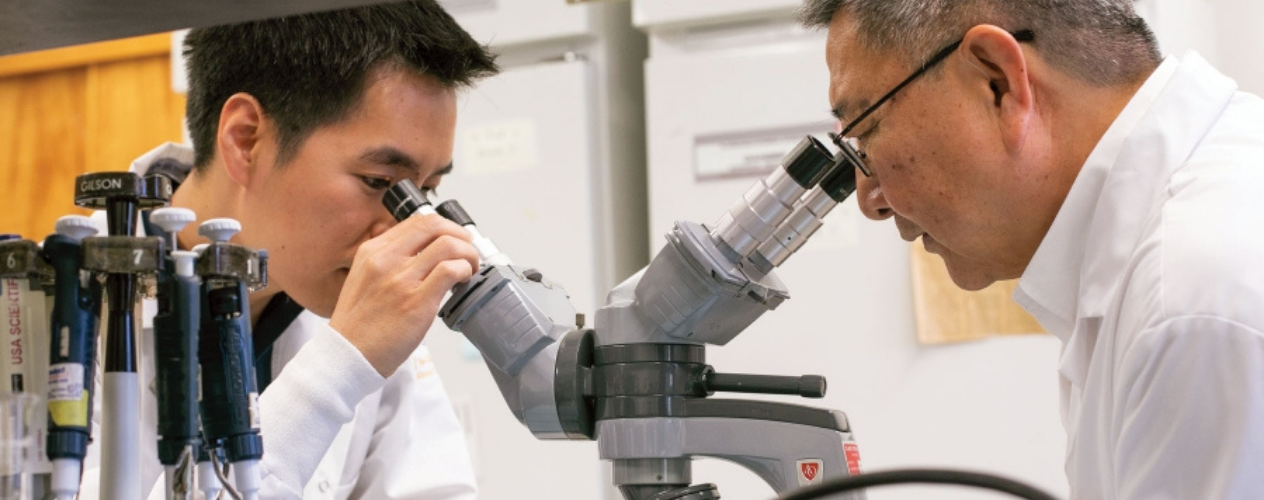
(809, 472)
(852, 452)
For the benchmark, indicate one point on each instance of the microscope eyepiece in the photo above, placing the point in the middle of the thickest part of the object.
(487, 251)
(808, 161)
(840, 182)
(453, 211)
(403, 199)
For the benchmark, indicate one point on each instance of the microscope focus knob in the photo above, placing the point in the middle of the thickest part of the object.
(171, 219)
(219, 230)
(808, 386)
(76, 227)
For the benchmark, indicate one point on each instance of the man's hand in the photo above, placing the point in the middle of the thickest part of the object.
(396, 283)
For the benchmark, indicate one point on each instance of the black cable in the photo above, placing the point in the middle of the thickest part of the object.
(923, 476)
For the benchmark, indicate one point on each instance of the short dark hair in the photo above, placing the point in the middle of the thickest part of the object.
(1101, 42)
(310, 70)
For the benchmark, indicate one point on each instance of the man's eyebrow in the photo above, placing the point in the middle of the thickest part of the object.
(840, 109)
(443, 171)
(387, 155)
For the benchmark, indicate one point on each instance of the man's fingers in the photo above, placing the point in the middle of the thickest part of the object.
(442, 249)
(417, 232)
(444, 276)
(400, 243)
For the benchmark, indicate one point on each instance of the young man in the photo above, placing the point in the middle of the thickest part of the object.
(1049, 141)
(299, 125)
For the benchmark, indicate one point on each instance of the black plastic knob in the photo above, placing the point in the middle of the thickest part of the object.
(96, 190)
(808, 161)
(403, 199)
(840, 182)
(808, 386)
(453, 211)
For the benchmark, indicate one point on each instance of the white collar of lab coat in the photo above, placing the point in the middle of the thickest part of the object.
(178, 152)
(1081, 260)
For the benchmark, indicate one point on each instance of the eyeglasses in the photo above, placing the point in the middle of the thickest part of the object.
(850, 147)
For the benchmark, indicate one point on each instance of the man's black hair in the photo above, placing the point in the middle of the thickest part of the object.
(310, 70)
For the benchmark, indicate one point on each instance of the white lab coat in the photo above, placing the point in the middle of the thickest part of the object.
(332, 427)
(1152, 275)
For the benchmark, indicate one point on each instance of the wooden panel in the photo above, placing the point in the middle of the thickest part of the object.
(83, 55)
(58, 124)
(948, 314)
(41, 149)
(130, 109)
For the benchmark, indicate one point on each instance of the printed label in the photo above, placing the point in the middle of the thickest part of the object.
(65, 382)
(809, 471)
(852, 452)
(750, 153)
(69, 413)
(507, 146)
(63, 342)
(254, 411)
(14, 306)
(89, 185)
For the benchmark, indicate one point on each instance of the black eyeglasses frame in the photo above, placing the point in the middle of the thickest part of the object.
(854, 154)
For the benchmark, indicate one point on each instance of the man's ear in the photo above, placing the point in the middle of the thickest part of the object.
(1001, 76)
(241, 137)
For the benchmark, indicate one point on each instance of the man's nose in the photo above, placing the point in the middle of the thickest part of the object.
(871, 200)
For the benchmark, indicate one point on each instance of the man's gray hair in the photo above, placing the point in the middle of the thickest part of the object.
(1102, 42)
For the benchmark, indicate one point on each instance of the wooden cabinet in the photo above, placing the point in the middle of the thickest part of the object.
(947, 314)
(68, 111)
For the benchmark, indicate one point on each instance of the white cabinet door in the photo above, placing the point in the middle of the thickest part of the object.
(650, 13)
(509, 22)
(990, 405)
(522, 171)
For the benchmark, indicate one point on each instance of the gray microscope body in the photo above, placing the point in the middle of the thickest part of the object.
(637, 381)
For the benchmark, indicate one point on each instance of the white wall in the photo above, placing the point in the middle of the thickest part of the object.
(1225, 32)
(1241, 50)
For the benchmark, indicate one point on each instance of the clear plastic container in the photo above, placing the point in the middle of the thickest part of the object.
(17, 443)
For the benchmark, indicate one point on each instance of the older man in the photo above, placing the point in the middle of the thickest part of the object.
(1048, 140)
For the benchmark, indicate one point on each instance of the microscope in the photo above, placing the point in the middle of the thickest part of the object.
(637, 381)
